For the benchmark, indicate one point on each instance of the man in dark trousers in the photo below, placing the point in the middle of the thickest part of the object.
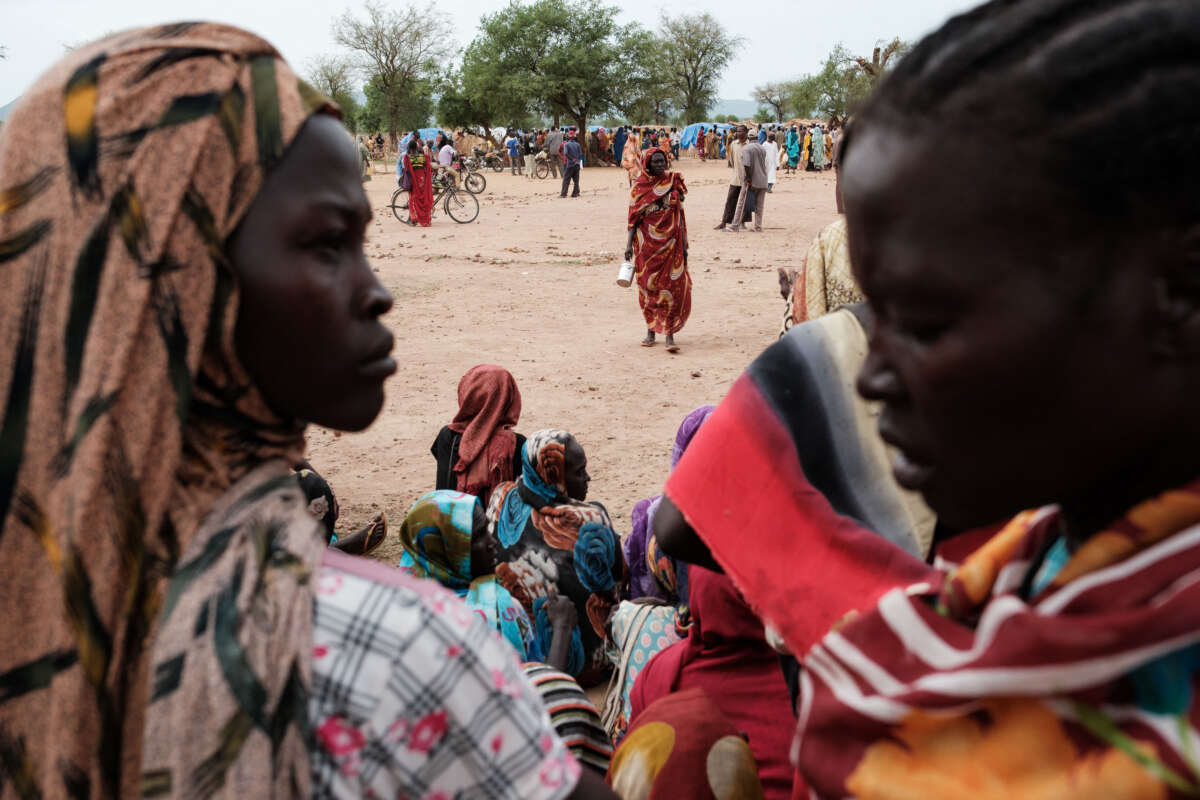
(736, 178)
(572, 159)
(554, 141)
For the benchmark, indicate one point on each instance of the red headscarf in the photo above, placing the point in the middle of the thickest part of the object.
(727, 655)
(489, 404)
(648, 189)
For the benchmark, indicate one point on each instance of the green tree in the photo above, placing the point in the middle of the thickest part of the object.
(393, 111)
(333, 75)
(458, 108)
(697, 51)
(397, 53)
(643, 97)
(766, 114)
(804, 95)
(840, 86)
(560, 57)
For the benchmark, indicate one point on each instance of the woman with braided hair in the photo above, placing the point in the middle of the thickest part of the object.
(1035, 350)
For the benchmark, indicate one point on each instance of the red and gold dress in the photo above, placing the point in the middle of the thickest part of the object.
(660, 248)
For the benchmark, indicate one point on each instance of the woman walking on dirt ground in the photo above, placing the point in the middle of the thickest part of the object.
(657, 245)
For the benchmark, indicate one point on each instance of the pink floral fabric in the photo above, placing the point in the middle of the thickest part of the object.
(414, 697)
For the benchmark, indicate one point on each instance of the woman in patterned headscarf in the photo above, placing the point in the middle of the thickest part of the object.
(445, 539)
(174, 623)
(658, 246)
(553, 543)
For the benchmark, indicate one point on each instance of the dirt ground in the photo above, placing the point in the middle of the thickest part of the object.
(531, 285)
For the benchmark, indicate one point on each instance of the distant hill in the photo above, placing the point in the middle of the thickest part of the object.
(5, 109)
(742, 109)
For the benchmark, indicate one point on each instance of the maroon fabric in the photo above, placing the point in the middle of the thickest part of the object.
(489, 404)
(727, 655)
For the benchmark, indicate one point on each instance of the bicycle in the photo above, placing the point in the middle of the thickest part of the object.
(473, 180)
(542, 170)
(460, 205)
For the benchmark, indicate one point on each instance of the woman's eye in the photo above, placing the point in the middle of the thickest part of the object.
(329, 246)
(924, 331)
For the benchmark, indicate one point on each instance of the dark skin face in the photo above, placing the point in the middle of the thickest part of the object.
(308, 326)
(1003, 384)
(577, 477)
(483, 548)
(658, 163)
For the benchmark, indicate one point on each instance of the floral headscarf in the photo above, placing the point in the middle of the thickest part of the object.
(436, 536)
(544, 464)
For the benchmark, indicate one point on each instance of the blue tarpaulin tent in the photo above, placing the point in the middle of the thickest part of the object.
(688, 137)
(426, 134)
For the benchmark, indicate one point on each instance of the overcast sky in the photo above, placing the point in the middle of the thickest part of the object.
(784, 38)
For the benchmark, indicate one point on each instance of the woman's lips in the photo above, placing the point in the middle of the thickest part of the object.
(912, 475)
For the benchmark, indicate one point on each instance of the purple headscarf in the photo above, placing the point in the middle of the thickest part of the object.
(642, 582)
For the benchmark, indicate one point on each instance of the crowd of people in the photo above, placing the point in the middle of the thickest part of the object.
(941, 539)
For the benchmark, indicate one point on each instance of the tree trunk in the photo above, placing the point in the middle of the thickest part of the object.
(581, 137)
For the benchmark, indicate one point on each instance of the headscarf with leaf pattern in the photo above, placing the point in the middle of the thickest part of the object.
(157, 547)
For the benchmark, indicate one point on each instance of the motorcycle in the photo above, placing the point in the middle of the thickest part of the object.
(493, 160)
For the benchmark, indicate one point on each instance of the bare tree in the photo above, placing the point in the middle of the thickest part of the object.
(776, 95)
(697, 50)
(331, 74)
(880, 57)
(394, 48)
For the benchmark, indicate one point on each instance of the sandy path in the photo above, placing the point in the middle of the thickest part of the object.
(531, 286)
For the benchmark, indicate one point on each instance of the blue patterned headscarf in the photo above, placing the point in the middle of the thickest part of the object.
(436, 536)
(543, 472)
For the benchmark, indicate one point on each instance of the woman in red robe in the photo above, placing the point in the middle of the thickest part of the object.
(657, 245)
(420, 197)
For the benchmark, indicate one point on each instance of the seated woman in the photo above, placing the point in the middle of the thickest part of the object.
(479, 450)
(573, 715)
(445, 538)
(554, 543)
(682, 746)
(726, 654)
(183, 629)
(657, 616)
(643, 583)
(1045, 379)
(323, 505)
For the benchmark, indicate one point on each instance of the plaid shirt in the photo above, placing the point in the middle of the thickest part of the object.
(415, 697)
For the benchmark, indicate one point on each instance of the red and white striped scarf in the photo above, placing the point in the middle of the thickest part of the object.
(970, 690)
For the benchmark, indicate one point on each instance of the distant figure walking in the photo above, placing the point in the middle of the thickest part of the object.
(658, 246)
(573, 159)
(632, 159)
(554, 141)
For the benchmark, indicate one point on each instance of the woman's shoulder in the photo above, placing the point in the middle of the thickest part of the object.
(403, 670)
(445, 437)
